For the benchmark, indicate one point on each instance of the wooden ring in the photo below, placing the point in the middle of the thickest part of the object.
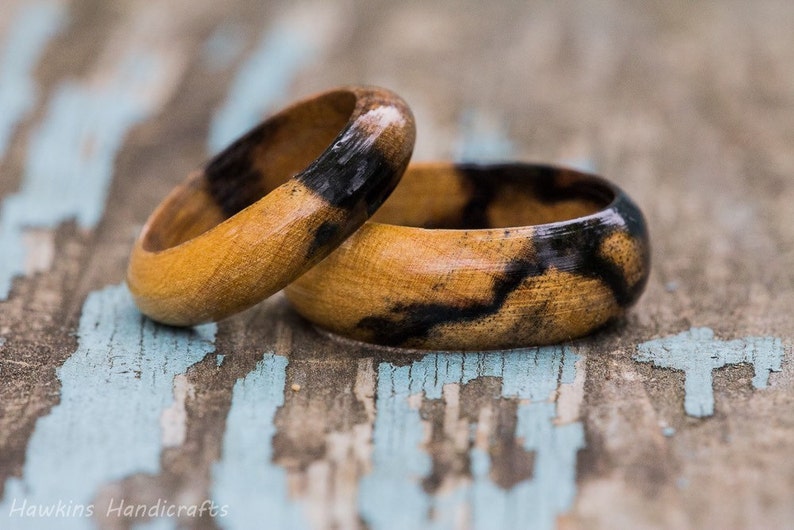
(474, 257)
(271, 205)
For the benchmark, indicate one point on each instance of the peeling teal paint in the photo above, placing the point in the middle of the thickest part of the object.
(71, 154)
(245, 479)
(698, 353)
(262, 81)
(32, 28)
(391, 496)
(114, 389)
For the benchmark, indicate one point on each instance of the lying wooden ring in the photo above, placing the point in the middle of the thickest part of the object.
(271, 205)
(483, 257)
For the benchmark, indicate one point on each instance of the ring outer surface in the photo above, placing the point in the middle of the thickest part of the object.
(481, 289)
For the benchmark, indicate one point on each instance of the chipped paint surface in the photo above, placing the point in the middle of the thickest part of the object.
(33, 27)
(173, 420)
(697, 353)
(391, 496)
(245, 478)
(114, 390)
(70, 160)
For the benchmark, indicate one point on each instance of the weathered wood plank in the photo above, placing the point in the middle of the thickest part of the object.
(648, 424)
(65, 176)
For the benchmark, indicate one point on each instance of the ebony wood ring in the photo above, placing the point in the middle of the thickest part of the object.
(474, 257)
(271, 205)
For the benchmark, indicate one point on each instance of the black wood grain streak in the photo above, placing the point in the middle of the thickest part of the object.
(570, 247)
(407, 321)
(540, 181)
(353, 175)
(326, 235)
(233, 180)
(578, 252)
(349, 176)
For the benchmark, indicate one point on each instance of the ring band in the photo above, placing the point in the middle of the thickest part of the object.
(474, 257)
(271, 205)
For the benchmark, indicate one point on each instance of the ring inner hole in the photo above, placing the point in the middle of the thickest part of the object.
(249, 169)
(471, 197)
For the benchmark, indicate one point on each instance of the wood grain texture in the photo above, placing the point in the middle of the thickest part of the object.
(688, 106)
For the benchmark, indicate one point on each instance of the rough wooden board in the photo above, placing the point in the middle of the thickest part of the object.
(689, 106)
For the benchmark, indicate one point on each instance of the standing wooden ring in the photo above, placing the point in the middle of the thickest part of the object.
(271, 205)
(470, 257)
